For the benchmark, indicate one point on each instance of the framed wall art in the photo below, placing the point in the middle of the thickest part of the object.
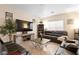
(70, 21)
(8, 16)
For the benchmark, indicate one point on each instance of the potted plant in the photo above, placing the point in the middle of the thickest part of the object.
(9, 28)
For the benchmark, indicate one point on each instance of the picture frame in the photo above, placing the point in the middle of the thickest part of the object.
(70, 21)
(8, 16)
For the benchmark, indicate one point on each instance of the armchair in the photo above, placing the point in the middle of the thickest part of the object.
(12, 49)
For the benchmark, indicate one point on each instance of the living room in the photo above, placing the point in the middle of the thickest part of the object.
(41, 29)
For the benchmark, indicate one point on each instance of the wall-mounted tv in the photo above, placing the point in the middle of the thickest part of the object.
(22, 25)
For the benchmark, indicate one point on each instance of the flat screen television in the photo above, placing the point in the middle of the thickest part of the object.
(22, 25)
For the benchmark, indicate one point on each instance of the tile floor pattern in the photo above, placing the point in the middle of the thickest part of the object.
(47, 49)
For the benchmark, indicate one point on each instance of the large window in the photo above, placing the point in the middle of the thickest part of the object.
(54, 25)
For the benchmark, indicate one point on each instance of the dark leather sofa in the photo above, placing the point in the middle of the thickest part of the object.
(68, 49)
(53, 35)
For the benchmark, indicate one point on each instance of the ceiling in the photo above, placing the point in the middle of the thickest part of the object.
(42, 10)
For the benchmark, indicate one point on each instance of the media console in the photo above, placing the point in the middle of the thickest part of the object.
(19, 38)
(22, 25)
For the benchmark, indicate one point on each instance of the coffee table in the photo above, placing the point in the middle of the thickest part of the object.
(39, 43)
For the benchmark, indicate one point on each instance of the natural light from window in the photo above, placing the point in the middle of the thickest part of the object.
(54, 25)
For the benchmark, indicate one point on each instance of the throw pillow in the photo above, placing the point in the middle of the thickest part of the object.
(4, 38)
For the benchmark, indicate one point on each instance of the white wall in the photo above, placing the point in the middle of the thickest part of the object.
(17, 14)
(65, 16)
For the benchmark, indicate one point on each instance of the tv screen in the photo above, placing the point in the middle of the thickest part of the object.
(22, 25)
(25, 25)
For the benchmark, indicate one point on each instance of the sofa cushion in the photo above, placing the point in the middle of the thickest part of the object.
(72, 48)
(48, 32)
(49, 37)
(4, 38)
(56, 33)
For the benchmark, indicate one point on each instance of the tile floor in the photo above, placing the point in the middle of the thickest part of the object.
(47, 49)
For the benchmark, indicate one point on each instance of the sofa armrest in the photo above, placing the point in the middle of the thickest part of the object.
(72, 48)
